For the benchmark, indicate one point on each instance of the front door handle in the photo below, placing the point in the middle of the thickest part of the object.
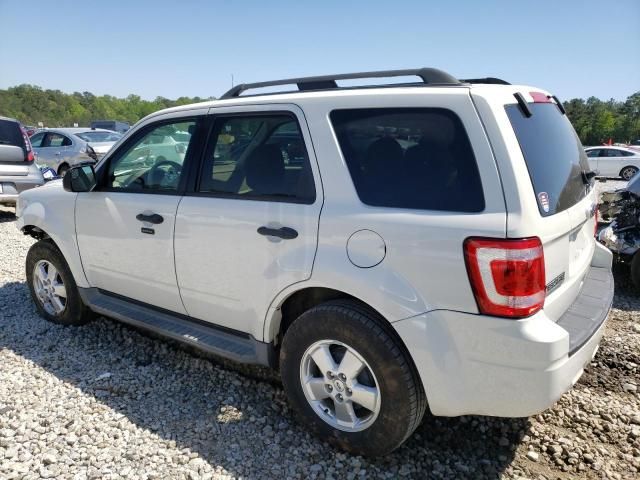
(152, 218)
(285, 233)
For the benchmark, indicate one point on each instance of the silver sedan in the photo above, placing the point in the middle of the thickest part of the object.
(61, 148)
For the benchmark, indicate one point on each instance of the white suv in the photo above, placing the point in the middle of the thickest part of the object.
(385, 248)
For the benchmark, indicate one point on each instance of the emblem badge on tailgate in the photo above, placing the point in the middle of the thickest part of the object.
(555, 283)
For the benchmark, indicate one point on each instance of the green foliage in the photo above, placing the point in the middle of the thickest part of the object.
(595, 121)
(31, 104)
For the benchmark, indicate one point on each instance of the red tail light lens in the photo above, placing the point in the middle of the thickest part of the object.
(27, 144)
(507, 276)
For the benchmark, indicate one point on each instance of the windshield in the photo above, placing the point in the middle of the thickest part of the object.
(554, 156)
(95, 136)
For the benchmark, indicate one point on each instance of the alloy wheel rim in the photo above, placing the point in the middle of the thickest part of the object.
(627, 173)
(340, 386)
(49, 288)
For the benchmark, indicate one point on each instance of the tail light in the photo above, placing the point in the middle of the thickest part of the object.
(507, 276)
(27, 144)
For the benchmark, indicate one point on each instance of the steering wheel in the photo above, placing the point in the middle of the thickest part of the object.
(165, 173)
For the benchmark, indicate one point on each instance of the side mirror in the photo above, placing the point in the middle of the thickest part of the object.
(79, 179)
(10, 153)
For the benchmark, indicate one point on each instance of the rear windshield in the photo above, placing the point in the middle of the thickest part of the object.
(10, 134)
(418, 158)
(554, 155)
(99, 136)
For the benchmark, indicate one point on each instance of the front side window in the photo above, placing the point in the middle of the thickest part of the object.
(593, 153)
(417, 158)
(258, 157)
(154, 161)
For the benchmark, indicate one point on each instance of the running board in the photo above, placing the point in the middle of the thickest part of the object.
(239, 347)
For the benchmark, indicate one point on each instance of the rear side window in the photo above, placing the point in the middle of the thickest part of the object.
(554, 156)
(417, 158)
(10, 134)
(258, 157)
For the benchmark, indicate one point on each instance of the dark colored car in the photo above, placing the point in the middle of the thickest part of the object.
(18, 170)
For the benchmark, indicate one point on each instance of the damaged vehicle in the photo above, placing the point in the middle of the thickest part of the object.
(620, 209)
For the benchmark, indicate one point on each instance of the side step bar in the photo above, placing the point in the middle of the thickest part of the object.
(236, 346)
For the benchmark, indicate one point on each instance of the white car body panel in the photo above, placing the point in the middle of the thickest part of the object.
(51, 209)
(119, 258)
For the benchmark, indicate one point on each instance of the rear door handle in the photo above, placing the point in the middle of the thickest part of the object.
(285, 233)
(152, 218)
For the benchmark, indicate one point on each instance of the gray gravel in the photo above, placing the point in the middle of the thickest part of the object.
(106, 401)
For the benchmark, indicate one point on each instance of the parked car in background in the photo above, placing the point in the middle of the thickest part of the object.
(113, 125)
(61, 148)
(166, 145)
(614, 161)
(18, 171)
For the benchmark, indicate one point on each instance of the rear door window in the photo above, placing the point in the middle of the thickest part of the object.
(416, 158)
(258, 157)
(554, 156)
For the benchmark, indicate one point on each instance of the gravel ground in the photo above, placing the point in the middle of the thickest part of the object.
(106, 401)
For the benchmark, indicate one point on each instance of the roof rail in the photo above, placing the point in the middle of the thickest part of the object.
(431, 76)
(488, 80)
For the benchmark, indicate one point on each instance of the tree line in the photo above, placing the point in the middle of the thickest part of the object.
(31, 104)
(596, 121)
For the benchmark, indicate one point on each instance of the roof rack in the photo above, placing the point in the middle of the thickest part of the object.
(488, 80)
(430, 76)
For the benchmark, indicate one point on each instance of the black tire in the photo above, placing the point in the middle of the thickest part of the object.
(403, 401)
(635, 270)
(627, 172)
(63, 169)
(75, 312)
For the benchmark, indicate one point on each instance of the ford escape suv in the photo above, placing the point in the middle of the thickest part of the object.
(387, 248)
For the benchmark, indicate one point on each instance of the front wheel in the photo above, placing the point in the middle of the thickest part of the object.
(52, 286)
(628, 172)
(350, 379)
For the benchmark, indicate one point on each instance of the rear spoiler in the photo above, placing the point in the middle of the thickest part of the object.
(538, 97)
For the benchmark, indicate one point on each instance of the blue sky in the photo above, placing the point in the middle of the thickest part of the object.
(175, 48)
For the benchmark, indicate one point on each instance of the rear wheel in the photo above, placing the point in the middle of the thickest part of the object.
(628, 172)
(350, 379)
(52, 286)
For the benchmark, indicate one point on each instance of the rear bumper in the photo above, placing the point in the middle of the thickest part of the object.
(474, 364)
(12, 186)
